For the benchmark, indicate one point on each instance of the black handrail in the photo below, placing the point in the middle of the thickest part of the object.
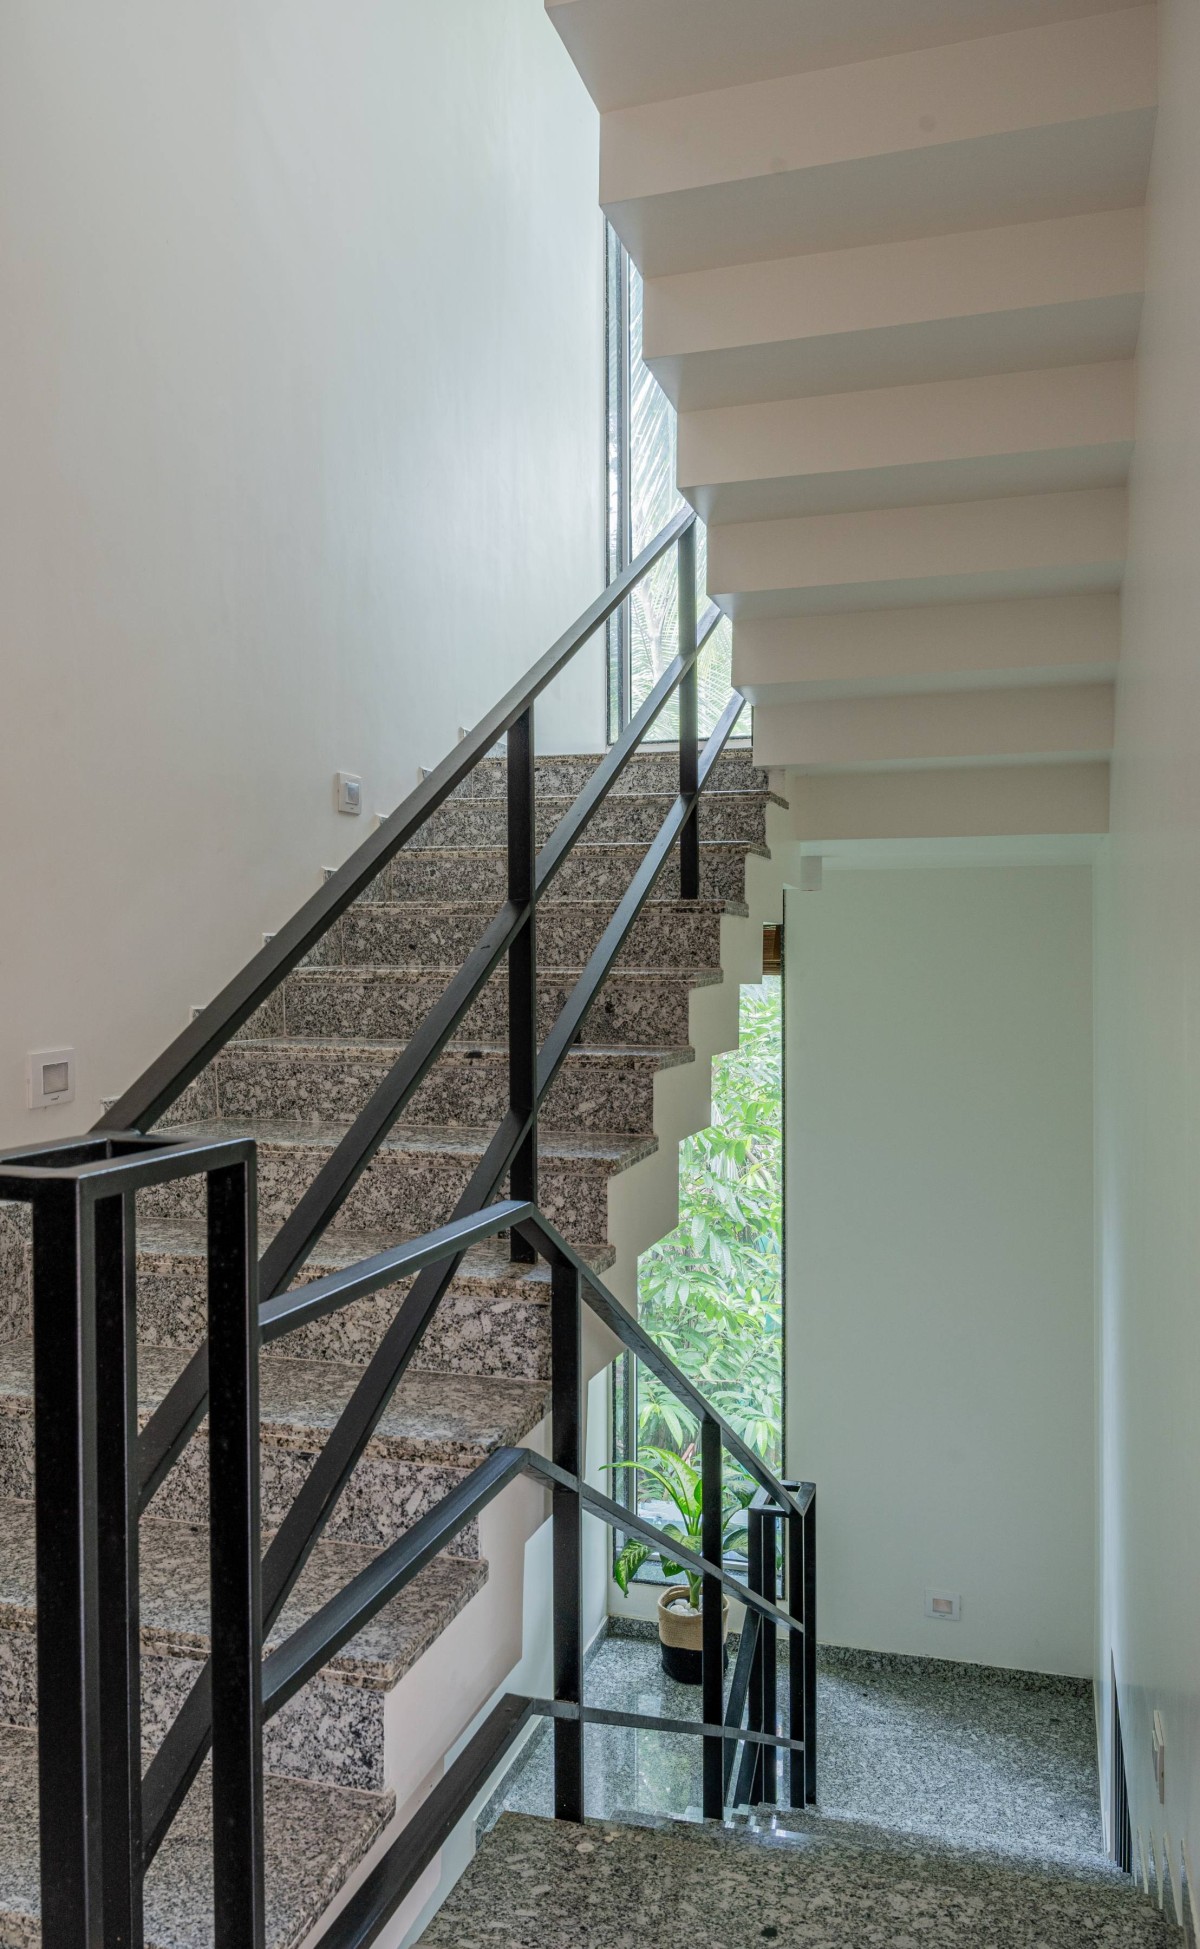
(83, 1272)
(182, 1751)
(179, 1414)
(235, 1691)
(169, 1075)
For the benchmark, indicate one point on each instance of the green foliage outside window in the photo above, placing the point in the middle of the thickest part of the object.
(711, 1292)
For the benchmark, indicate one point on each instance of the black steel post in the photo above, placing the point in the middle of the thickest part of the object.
(566, 1354)
(239, 1896)
(769, 1783)
(755, 1524)
(522, 964)
(810, 1649)
(689, 719)
(68, 1690)
(117, 1519)
(712, 1638)
(802, 1651)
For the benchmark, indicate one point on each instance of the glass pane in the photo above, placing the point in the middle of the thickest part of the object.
(642, 497)
(711, 1293)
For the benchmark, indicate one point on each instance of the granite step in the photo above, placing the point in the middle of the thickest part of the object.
(545, 1884)
(333, 1730)
(627, 819)
(417, 1177)
(493, 1320)
(646, 1008)
(307, 1076)
(316, 1835)
(403, 934)
(593, 871)
(437, 1427)
(653, 770)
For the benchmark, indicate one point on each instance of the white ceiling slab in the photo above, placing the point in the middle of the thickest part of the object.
(958, 439)
(840, 810)
(1021, 297)
(1021, 545)
(632, 51)
(894, 733)
(1051, 122)
(950, 646)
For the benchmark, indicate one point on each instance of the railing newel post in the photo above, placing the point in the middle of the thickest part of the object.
(119, 1642)
(712, 1629)
(567, 1452)
(235, 1556)
(689, 719)
(70, 1793)
(522, 965)
(809, 1535)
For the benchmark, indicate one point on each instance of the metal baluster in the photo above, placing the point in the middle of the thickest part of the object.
(808, 1529)
(239, 1898)
(755, 1545)
(712, 1637)
(522, 964)
(68, 1691)
(802, 1652)
(689, 718)
(769, 1783)
(117, 1520)
(566, 1346)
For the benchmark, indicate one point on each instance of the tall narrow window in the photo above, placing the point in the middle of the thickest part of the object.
(711, 1292)
(642, 497)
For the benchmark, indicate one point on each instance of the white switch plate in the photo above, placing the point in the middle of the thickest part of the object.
(349, 793)
(1158, 1748)
(943, 1604)
(50, 1077)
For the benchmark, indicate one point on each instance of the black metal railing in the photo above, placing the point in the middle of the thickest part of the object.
(93, 1848)
(97, 1475)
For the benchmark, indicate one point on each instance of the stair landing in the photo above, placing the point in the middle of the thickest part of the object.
(542, 1884)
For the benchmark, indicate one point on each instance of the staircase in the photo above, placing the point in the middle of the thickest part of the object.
(357, 1746)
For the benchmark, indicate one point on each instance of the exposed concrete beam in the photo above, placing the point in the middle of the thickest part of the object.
(981, 802)
(949, 646)
(1045, 544)
(631, 51)
(954, 439)
(1052, 121)
(1015, 297)
(961, 727)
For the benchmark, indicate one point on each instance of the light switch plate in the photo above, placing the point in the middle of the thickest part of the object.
(349, 793)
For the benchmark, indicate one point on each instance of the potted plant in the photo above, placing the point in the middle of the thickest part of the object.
(680, 1612)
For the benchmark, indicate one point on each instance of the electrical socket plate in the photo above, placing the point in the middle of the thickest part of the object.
(943, 1604)
(50, 1077)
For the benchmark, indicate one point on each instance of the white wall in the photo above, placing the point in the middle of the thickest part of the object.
(300, 389)
(939, 1256)
(1148, 1076)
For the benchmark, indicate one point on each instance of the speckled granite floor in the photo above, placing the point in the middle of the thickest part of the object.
(941, 1750)
(957, 1806)
(539, 1884)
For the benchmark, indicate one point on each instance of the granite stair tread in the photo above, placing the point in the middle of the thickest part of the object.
(608, 1150)
(174, 1596)
(487, 1264)
(434, 1418)
(545, 1884)
(316, 1835)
